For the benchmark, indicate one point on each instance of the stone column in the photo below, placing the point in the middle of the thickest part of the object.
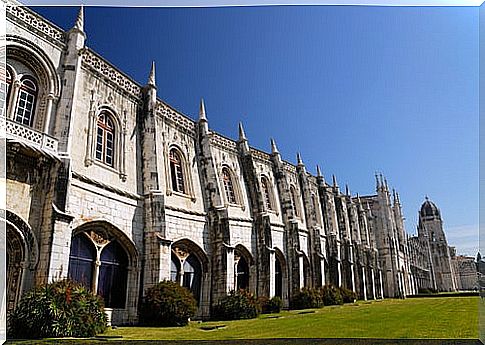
(381, 286)
(48, 112)
(364, 287)
(373, 283)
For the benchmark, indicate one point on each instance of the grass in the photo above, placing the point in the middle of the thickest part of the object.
(445, 317)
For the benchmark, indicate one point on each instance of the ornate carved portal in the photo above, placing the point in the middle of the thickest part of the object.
(15, 266)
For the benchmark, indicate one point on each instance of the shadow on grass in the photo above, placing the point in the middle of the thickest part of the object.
(340, 341)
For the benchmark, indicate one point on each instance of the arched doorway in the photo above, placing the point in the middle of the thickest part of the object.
(278, 278)
(188, 266)
(101, 258)
(242, 274)
(243, 260)
(307, 276)
(15, 261)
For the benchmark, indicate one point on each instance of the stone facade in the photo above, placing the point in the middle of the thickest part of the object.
(109, 185)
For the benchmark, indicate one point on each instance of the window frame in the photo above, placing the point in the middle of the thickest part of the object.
(229, 180)
(295, 201)
(33, 92)
(103, 126)
(178, 182)
(267, 193)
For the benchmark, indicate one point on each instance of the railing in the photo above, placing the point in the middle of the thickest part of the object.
(28, 135)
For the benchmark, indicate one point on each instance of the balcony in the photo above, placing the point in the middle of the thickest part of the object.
(29, 136)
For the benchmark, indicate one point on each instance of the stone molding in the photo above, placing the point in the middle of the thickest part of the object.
(34, 23)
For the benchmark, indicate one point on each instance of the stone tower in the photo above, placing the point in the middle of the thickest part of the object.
(430, 227)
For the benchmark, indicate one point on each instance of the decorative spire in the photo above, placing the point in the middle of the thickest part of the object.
(397, 198)
(242, 135)
(274, 149)
(378, 185)
(202, 116)
(319, 173)
(385, 184)
(298, 158)
(151, 77)
(347, 190)
(80, 19)
(334, 179)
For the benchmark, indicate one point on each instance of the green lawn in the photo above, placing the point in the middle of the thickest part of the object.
(445, 317)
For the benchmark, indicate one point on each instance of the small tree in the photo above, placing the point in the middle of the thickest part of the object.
(60, 309)
(167, 304)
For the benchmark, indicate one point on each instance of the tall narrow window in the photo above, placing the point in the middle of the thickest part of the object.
(27, 97)
(81, 260)
(242, 274)
(192, 276)
(278, 278)
(176, 172)
(105, 139)
(228, 186)
(113, 275)
(294, 201)
(266, 193)
(174, 268)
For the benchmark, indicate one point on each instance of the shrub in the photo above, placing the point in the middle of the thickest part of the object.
(331, 295)
(60, 309)
(307, 298)
(237, 305)
(167, 304)
(426, 291)
(269, 306)
(348, 296)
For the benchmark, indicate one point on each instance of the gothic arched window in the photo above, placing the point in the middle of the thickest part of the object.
(174, 268)
(81, 260)
(105, 136)
(176, 171)
(267, 196)
(242, 274)
(294, 201)
(113, 275)
(109, 279)
(27, 97)
(228, 186)
(192, 276)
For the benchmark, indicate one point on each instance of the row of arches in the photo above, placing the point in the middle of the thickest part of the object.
(105, 260)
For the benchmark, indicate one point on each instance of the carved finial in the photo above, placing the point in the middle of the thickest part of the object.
(334, 179)
(385, 184)
(274, 149)
(80, 19)
(202, 116)
(347, 190)
(151, 77)
(298, 159)
(426, 197)
(242, 135)
(319, 172)
(378, 185)
(397, 198)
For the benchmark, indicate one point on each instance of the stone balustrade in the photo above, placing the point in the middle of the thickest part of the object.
(28, 135)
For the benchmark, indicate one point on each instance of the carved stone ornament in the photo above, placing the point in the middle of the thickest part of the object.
(99, 237)
(181, 253)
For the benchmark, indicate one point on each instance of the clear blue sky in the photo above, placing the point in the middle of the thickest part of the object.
(354, 89)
